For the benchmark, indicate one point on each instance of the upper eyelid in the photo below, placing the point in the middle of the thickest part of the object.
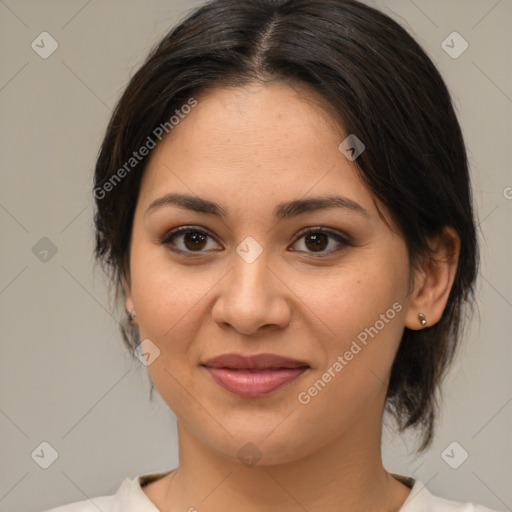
(181, 230)
(324, 229)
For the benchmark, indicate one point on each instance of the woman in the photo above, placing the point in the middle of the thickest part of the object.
(284, 207)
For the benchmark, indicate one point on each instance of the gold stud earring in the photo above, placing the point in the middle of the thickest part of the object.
(422, 319)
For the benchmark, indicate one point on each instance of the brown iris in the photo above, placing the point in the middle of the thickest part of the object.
(194, 240)
(316, 241)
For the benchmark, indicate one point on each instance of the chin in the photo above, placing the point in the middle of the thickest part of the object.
(264, 447)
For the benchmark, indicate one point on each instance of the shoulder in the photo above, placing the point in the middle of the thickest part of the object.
(422, 500)
(129, 498)
(103, 503)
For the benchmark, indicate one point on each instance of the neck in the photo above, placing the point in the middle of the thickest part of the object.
(345, 474)
(323, 481)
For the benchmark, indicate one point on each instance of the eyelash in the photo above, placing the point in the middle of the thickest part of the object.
(172, 235)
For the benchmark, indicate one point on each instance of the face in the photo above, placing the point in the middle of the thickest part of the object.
(262, 269)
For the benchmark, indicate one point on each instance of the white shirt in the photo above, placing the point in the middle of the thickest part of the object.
(131, 498)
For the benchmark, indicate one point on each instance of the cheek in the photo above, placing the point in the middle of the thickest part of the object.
(352, 298)
(353, 380)
(165, 294)
(167, 302)
(361, 308)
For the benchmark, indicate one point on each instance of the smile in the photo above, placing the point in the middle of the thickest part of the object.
(254, 376)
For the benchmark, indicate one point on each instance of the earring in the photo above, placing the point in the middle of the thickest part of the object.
(422, 319)
(131, 314)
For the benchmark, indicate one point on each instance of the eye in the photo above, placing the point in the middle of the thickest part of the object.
(187, 239)
(318, 239)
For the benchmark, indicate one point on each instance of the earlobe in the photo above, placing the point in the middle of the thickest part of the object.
(128, 300)
(434, 282)
(131, 315)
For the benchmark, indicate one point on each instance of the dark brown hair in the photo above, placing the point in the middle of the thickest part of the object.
(383, 87)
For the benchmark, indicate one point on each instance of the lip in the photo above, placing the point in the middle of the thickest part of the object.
(253, 362)
(254, 376)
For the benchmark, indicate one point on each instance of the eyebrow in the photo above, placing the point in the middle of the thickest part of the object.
(281, 211)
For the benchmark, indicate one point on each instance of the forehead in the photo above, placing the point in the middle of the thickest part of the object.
(260, 120)
(264, 142)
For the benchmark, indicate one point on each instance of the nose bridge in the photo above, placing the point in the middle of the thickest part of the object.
(251, 297)
(251, 275)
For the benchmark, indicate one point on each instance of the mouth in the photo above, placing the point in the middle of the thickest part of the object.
(254, 376)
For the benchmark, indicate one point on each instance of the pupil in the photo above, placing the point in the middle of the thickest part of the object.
(197, 240)
(319, 240)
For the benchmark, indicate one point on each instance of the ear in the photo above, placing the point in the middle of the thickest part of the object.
(433, 282)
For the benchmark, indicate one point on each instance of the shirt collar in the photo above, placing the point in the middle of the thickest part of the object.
(131, 497)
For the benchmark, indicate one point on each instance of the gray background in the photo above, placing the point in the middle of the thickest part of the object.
(65, 377)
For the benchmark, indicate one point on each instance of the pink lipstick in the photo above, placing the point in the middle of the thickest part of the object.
(254, 376)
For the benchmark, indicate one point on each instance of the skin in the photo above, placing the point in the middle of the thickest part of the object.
(250, 148)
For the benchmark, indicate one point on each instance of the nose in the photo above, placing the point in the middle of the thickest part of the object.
(252, 297)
